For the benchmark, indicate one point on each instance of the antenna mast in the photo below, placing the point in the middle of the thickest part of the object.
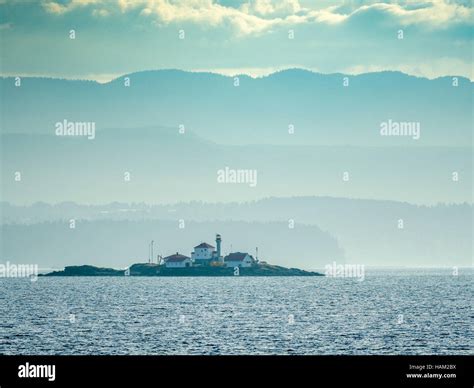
(151, 247)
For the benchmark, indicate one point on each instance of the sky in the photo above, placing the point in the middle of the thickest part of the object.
(113, 38)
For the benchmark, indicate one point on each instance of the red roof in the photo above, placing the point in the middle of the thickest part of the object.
(236, 256)
(176, 258)
(204, 245)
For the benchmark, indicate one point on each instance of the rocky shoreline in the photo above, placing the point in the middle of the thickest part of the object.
(146, 269)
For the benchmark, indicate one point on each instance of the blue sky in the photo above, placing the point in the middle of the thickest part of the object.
(230, 37)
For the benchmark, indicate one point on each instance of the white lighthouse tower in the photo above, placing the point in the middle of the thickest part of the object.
(218, 248)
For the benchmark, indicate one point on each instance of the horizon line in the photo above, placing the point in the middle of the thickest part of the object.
(106, 78)
(203, 202)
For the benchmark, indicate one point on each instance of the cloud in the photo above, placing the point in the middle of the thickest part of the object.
(100, 12)
(258, 16)
(254, 72)
(206, 13)
(61, 8)
(250, 35)
(437, 13)
(269, 7)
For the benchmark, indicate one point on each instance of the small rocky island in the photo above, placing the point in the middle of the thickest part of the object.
(205, 260)
(147, 269)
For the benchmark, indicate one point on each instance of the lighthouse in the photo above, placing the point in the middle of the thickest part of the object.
(218, 246)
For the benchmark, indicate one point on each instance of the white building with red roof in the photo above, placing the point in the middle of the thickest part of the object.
(178, 261)
(239, 259)
(204, 253)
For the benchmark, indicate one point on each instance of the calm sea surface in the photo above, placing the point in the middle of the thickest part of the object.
(390, 312)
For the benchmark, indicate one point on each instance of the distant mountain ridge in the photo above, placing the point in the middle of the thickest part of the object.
(320, 108)
(171, 132)
(303, 231)
(166, 166)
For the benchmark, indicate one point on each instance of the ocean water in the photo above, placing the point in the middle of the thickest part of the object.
(389, 312)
